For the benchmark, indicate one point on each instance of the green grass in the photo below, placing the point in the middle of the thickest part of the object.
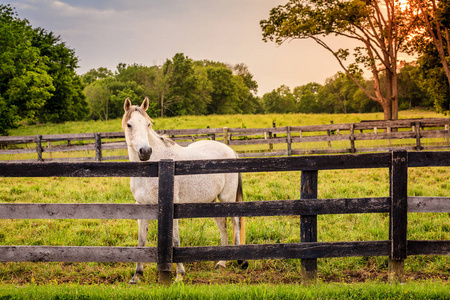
(218, 121)
(422, 290)
(200, 232)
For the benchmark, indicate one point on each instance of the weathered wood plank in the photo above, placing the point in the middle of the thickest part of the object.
(86, 169)
(170, 132)
(320, 151)
(258, 130)
(281, 251)
(112, 135)
(17, 151)
(282, 208)
(71, 148)
(78, 211)
(385, 149)
(258, 141)
(22, 139)
(114, 146)
(384, 136)
(429, 204)
(318, 128)
(66, 137)
(429, 159)
(305, 163)
(77, 254)
(428, 247)
(321, 138)
(259, 154)
(433, 133)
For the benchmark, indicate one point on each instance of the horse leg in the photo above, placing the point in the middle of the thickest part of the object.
(143, 230)
(222, 225)
(176, 243)
(237, 240)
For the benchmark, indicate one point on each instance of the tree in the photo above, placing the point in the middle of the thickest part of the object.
(186, 90)
(67, 101)
(306, 97)
(338, 95)
(433, 28)
(380, 28)
(412, 91)
(280, 100)
(96, 74)
(228, 92)
(432, 79)
(98, 94)
(251, 103)
(25, 85)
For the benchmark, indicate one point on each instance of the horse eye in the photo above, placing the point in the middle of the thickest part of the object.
(129, 125)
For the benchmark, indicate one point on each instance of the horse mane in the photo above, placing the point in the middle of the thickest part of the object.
(167, 141)
(128, 113)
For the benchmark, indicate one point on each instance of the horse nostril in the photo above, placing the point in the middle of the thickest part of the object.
(145, 153)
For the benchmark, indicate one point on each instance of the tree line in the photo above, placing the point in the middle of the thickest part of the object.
(39, 83)
(180, 86)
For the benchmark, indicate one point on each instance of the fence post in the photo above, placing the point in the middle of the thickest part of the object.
(166, 171)
(270, 144)
(352, 138)
(448, 133)
(289, 140)
(98, 147)
(417, 131)
(39, 147)
(308, 225)
(225, 136)
(398, 215)
(329, 134)
(389, 130)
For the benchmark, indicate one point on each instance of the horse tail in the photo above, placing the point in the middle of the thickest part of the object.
(240, 198)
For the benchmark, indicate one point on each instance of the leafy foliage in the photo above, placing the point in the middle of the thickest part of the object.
(181, 86)
(37, 75)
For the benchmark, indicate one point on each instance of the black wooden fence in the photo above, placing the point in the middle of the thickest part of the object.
(397, 204)
(368, 136)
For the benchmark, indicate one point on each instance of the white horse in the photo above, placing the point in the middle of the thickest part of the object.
(144, 144)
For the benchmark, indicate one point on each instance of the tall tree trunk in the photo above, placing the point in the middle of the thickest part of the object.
(394, 96)
(387, 109)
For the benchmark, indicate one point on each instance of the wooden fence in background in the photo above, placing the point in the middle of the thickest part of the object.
(367, 136)
(397, 204)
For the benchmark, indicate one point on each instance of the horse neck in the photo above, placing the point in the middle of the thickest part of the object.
(161, 149)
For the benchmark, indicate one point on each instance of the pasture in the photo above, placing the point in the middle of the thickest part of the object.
(257, 187)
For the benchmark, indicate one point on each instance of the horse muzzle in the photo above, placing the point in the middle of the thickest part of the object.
(145, 153)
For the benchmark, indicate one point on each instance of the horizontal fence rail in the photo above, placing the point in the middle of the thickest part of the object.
(367, 136)
(398, 204)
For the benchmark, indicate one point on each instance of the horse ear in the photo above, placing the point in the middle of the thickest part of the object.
(145, 104)
(127, 104)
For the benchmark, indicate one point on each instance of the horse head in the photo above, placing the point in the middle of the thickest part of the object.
(137, 125)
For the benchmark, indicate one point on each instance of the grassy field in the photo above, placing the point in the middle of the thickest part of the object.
(373, 291)
(219, 121)
(257, 187)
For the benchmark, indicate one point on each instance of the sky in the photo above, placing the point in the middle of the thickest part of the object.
(104, 33)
